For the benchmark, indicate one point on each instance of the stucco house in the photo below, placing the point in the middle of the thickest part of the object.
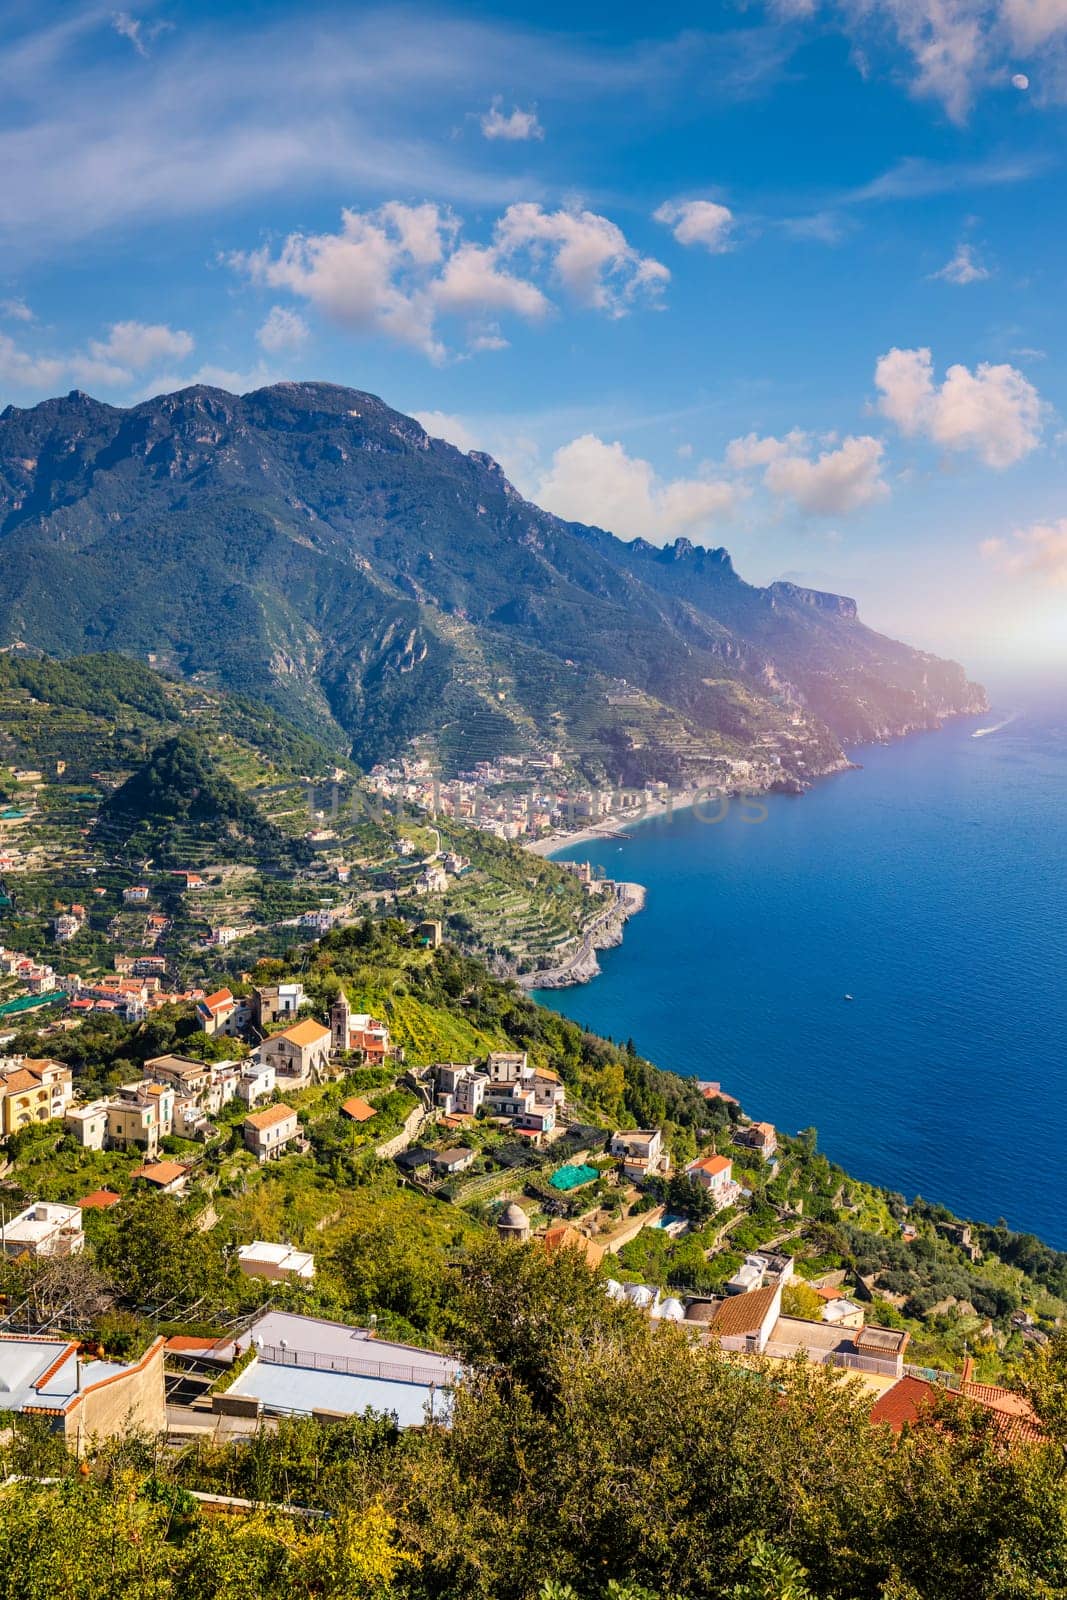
(640, 1152)
(266, 1133)
(300, 1052)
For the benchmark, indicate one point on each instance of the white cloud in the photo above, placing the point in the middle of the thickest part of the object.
(473, 282)
(27, 373)
(516, 126)
(595, 482)
(444, 425)
(590, 255)
(1039, 551)
(754, 451)
(841, 478)
(1032, 23)
(698, 222)
(370, 276)
(963, 268)
(110, 364)
(16, 310)
(834, 482)
(993, 411)
(130, 28)
(141, 344)
(398, 269)
(282, 330)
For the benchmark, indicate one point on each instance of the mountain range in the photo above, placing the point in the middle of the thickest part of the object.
(309, 547)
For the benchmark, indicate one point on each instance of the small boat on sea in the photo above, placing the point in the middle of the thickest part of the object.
(850, 997)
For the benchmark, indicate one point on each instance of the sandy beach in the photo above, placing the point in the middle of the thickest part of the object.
(617, 822)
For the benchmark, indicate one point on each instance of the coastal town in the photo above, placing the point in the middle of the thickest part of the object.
(267, 1080)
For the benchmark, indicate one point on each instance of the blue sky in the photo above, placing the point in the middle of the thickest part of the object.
(784, 277)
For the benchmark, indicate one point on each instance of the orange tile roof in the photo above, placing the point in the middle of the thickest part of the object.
(711, 1165)
(273, 1114)
(910, 1397)
(161, 1172)
(302, 1033)
(358, 1109)
(19, 1081)
(99, 1200)
(743, 1313)
(564, 1237)
(221, 997)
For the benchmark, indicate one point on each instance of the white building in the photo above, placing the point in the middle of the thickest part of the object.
(257, 1082)
(460, 1089)
(640, 1152)
(278, 1262)
(43, 1229)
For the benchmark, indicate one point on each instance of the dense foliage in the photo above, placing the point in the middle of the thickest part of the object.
(590, 1455)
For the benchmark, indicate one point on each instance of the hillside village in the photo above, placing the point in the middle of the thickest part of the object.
(111, 869)
(284, 1115)
(264, 1113)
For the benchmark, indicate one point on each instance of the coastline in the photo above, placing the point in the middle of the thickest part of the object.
(583, 967)
(604, 933)
(617, 823)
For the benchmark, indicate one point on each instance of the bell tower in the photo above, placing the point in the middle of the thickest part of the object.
(340, 1013)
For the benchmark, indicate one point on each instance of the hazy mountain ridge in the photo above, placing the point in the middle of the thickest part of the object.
(307, 545)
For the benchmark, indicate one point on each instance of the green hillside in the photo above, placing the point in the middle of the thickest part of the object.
(310, 547)
(138, 775)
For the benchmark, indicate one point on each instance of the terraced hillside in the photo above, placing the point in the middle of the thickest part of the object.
(117, 775)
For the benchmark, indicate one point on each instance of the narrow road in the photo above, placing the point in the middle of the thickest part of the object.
(583, 965)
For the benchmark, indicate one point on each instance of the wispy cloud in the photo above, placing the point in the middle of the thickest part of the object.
(361, 101)
(948, 51)
(963, 268)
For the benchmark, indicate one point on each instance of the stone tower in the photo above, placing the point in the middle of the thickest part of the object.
(340, 1013)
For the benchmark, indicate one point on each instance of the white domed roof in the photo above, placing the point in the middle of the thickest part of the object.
(513, 1216)
(672, 1309)
(615, 1290)
(640, 1294)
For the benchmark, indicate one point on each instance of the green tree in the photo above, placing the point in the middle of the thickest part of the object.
(156, 1252)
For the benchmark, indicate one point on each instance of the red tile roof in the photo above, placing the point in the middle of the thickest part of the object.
(273, 1114)
(909, 1398)
(99, 1200)
(358, 1109)
(161, 1172)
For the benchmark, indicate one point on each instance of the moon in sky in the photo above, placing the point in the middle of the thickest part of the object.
(1020, 81)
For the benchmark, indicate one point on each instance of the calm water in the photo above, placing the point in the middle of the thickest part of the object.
(931, 886)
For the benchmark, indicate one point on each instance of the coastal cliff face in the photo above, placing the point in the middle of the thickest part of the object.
(309, 546)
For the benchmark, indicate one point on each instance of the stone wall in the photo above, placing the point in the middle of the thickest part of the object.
(130, 1402)
(413, 1125)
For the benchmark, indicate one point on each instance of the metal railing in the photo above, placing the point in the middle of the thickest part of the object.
(359, 1366)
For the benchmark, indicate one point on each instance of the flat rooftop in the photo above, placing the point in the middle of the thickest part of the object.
(287, 1339)
(44, 1373)
(301, 1389)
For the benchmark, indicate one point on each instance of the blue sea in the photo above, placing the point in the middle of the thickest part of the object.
(931, 885)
